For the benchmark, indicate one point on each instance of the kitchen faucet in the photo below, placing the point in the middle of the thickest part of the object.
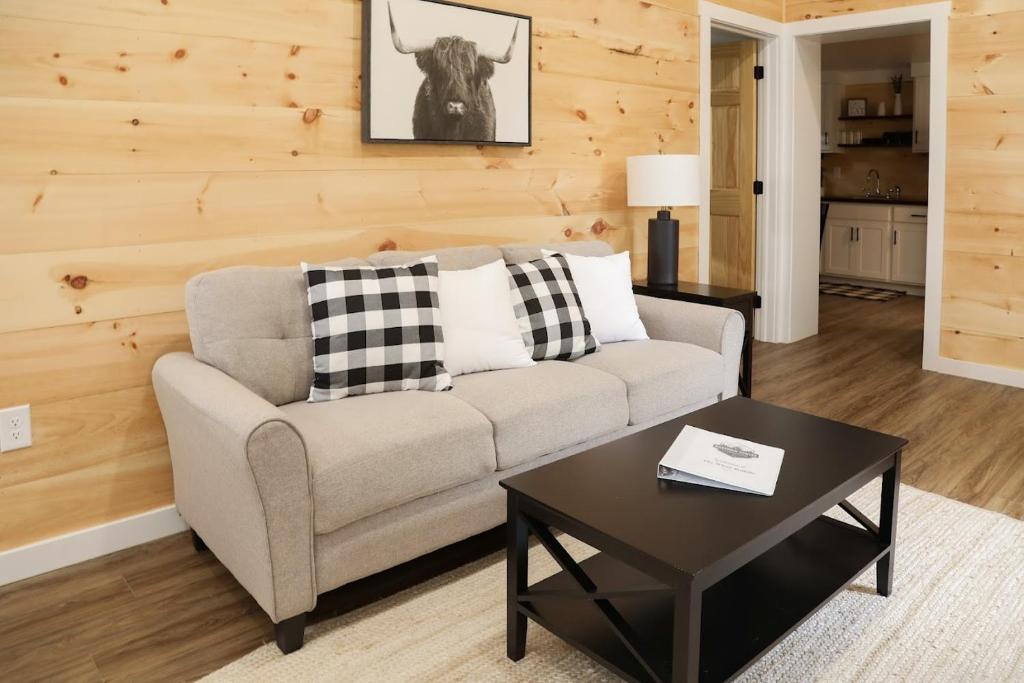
(873, 174)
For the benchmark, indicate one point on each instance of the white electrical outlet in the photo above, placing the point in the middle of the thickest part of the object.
(15, 428)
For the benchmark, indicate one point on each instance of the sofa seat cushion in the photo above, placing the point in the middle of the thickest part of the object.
(660, 376)
(372, 453)
(539, 410)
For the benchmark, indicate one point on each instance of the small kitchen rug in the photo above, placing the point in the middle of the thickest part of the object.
(859, 292)
(955, 615)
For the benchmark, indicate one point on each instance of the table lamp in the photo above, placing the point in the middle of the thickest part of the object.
(664, 181)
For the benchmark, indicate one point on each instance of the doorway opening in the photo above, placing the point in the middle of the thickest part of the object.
(875, 87)
(889, 237)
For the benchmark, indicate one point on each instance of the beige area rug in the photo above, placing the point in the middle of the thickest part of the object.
(957, 614)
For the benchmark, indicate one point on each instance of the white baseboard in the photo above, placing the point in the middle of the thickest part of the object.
(984, 373)
(78, 546)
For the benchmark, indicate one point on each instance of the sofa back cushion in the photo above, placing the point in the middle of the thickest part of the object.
(254, 324)
(454, 258)
(524, 253)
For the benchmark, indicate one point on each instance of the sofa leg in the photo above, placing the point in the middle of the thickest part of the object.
(290, 633)
(197, 542)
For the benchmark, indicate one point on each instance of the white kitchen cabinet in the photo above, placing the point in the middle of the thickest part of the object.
(876, 242)
(909, 253)
(872, 250)
(837, 252)
(922, 103)
(857, 249)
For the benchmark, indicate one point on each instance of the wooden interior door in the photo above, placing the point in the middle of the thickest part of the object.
(733, 163)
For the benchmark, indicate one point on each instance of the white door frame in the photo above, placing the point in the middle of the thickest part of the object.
(769, 150)
(937, 16)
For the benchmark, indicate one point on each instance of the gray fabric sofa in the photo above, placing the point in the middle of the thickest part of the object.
(297, 499)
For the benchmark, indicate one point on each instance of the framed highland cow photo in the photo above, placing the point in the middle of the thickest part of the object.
(445, 73)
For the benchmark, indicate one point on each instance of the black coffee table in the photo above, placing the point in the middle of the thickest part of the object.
(693, 583)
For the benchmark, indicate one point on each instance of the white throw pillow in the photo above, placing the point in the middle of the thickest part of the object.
(605, 285)
(480, 328)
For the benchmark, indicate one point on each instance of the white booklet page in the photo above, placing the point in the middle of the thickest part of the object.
(709, 459)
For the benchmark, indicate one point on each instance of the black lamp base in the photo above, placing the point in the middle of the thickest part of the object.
(663, 249)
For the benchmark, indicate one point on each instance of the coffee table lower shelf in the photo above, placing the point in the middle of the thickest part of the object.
(743, 615)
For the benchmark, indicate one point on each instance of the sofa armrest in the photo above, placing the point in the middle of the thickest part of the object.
(241, 480)
(719, 329)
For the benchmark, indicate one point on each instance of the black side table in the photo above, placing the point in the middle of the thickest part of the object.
(742, 300)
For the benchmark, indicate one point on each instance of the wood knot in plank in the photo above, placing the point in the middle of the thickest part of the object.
(311, 115)
(600, 227)
(387, 245)
(77, 281)
(180, 53)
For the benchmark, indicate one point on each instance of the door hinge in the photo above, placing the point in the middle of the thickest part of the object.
(758, 187)
(758, 73)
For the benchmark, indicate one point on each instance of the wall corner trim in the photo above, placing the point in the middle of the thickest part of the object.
(78, 546)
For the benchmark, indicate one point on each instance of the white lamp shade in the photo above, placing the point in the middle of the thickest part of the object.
(663, 180)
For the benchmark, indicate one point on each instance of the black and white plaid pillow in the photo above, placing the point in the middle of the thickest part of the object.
(549, 311)
(375, 330)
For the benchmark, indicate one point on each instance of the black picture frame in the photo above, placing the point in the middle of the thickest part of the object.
(365, 84)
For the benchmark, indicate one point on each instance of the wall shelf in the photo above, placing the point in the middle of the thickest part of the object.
(901, 117)
(879, 145)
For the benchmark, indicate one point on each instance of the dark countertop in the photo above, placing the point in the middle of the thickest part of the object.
(866, 200)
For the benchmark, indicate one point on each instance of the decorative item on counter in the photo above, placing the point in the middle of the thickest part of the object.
(897, 89)
(881, 108)
(857, 107)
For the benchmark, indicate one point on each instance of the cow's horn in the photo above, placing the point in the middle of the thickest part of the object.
(399, 45)
(507, 57)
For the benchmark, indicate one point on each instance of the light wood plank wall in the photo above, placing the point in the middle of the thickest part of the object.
(144, 142)
(983, 276)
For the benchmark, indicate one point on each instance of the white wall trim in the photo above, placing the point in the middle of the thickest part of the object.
(770, 205)
(78, 546)
(985, 373)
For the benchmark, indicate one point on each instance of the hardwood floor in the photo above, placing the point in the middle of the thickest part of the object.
(966, 437)
(163, 612)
